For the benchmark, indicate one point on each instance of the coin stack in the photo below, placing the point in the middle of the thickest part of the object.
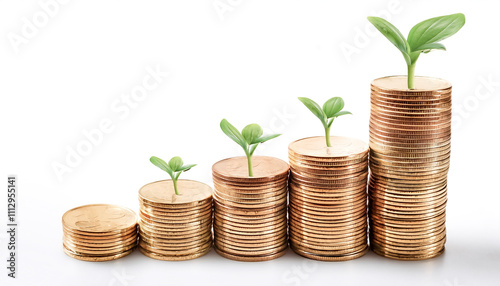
(99, 232)
(327, 206)
(250, 221)
(410, 133)
(175, 227)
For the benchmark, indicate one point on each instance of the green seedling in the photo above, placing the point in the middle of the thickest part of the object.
(423, 37)
(331, 110)
(174, 168)
(249, 138)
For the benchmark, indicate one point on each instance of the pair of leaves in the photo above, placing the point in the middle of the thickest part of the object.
(332, 109)
(423, 37)
(174, 167)
(249, 138)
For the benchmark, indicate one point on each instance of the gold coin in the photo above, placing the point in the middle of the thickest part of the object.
(245, 200)
(250, 186)
(96, 258)
(176, 220)
(278, 230)
(248, 237)
(162, 193)
(250, 252)
(342, 148)
(248, 212)
(187, 251)
(261, 193)
(250, 258)
(173, 257)
(329, 258)
(252, 242)
(169, 246)
(338, 225)
(249, 223)
(184, 236)
(99, 236)
(244, 228)
(99, 244)
(106, 251)
(264, 247)
(265, 169)
(324, 162)
(327, 251)
(99, 219)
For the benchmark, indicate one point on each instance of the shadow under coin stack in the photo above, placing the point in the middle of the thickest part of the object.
(175, 227)
(99, 232)
(410, 132)
(328, 202)
(250, 221)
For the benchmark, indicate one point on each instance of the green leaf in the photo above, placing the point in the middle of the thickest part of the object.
(251, 132)
(330, 122)
(340, 113)
(314, 108)
(177, 177)
(252, 148)
(434, 30)
(432, 46)
(232, 133)
(175, 163)
(186, 167)
(265, 138)
(161, 164)
(393, 35)
(332, 106)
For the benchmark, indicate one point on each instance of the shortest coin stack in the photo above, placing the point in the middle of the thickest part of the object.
(99, 232)
(175, 227)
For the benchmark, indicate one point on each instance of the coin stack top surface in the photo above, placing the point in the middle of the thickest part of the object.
(410, 134)
(327, 198)
(175, 227)
(250, 221)
(99, 232)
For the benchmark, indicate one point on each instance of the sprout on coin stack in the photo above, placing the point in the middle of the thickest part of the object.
(410, 135)
(175, 215)
(250, 196)
(327, 191)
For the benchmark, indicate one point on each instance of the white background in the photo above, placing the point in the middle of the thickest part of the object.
(248, 64)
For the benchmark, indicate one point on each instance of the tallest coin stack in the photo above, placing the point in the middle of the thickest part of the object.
(410, 133)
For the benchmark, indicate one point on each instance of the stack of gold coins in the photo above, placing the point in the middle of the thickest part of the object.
(410, 133)
(250, 221)
(328, 202)
(99, 232)
(175, 227)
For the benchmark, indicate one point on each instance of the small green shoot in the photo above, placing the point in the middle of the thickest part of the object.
(174, 168)
(249, 138)
(331, 110)
(423, 37)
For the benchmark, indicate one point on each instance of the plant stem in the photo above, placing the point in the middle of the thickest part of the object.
(175, 186)
(411, 76)
(250, 169)
(327, 136)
